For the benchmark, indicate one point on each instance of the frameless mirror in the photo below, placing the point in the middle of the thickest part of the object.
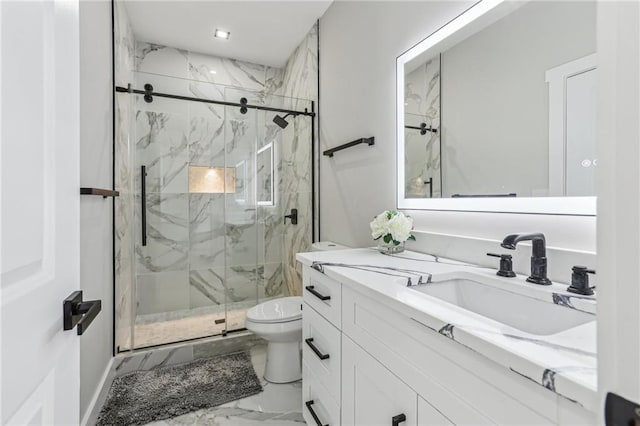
(496, 111)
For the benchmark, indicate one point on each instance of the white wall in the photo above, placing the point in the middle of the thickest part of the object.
(95, 212)
(359, 42)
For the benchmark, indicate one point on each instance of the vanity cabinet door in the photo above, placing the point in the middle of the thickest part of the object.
(371, 394)
(429, 416)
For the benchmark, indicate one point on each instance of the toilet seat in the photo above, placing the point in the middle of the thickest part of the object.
(280, 310)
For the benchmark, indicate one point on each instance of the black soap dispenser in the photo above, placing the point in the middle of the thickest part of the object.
(580, 280)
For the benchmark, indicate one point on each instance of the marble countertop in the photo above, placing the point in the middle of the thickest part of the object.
(565, 363)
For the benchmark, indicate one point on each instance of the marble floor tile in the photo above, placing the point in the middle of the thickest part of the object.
(277, 404)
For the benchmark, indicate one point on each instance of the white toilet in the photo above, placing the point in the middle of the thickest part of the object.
(279, 322)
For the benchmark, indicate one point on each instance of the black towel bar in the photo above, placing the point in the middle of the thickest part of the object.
(329, 153)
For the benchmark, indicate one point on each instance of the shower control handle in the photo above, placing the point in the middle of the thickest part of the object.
(293, 216)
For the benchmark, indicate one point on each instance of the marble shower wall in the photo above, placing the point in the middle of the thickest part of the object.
(422, 152)
(208, 251)
(213, 248)
(300, 86)
(124, 47)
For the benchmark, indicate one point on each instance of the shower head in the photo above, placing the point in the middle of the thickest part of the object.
(280, 121)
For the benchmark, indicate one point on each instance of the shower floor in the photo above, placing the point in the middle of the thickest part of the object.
(152, 330)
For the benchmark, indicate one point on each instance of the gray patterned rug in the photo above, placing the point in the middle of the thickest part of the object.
(145, 396)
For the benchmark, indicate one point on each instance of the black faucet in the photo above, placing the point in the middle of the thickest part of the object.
(538, 254)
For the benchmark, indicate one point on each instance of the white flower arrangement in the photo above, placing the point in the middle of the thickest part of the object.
(393, 227)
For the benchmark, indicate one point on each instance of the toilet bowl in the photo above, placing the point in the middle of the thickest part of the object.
(279, 322)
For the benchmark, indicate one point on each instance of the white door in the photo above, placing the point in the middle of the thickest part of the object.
(371, 394)
(618, 132)
(572, 128)
(39, 199)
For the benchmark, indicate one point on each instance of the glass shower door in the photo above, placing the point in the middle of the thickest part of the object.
(161, 221)
(242, 248)
(183, 270)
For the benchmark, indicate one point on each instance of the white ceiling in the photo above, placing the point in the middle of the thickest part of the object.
(263, 32)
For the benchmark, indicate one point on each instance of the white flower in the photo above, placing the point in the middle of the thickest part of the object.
(393, 226)
(400, 227)
(379, 225)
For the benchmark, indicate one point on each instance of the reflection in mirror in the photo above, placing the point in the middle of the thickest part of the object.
(506, 105)
(422, 138)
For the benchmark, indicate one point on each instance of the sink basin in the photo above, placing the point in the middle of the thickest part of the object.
(524, 313)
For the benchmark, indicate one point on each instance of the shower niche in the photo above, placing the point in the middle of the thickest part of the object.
(208, 167)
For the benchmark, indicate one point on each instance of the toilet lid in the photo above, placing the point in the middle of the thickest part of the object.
(283, 309)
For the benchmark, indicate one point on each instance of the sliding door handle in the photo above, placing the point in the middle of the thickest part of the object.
(76, 312)
(143, 201)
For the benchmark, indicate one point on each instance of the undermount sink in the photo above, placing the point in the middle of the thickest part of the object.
(524, 313)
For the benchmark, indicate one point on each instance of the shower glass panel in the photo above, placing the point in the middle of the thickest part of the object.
(213, 242)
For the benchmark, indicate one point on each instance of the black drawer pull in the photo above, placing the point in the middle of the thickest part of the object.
(311, 290)
(313, 413)
(315, 350)
(396, 420)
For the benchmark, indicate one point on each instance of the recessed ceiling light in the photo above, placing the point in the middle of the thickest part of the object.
(213, 72)
(222, 34)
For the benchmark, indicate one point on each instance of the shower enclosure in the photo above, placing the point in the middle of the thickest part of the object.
(208, 178)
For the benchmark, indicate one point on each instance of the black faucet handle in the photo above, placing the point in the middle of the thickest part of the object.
(580, 280)
(501, 256)
(506, 265)
(583, 270)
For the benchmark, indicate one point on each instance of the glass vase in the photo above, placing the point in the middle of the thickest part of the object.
(390, 248)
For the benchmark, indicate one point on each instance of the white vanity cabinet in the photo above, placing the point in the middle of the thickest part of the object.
(385, 367)
(372, 395)
(321, 349)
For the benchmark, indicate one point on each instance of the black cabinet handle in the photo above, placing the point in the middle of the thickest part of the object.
(396, 420)
(78, 312)
(313, 413)
(311, 290)
(315, 350)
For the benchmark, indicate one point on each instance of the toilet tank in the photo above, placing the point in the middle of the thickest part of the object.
(327, 246)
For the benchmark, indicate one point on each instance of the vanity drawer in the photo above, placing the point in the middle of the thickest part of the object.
(323, 294)
(317, 401)
(464, 386)
(321, 350)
